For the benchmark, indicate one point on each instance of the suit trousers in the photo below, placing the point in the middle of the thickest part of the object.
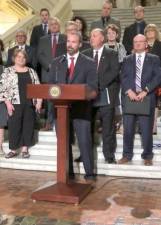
(146, 129)
(50, 113)
(21, 126)
(107, 116)
(82, 129)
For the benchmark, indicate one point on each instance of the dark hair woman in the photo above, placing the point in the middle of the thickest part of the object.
(82, 26)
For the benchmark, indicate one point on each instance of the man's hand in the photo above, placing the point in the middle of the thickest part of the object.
(132, 95)
(141, 96)
(38, 105)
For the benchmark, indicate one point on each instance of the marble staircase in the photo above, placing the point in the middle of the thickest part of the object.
(43, 158)
(126, 17)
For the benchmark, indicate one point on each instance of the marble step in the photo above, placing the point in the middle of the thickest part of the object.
(53, 139)
(52, 152)
(38, 163)
(134, 169)
(50, 148)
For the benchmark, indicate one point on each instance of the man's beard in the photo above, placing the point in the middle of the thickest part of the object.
(71, 51)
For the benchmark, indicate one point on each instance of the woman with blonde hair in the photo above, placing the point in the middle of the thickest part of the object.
(21, 111)
(152, 34)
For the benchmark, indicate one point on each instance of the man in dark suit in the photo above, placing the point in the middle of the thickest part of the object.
(41, 29)
(50, 47)
(21, 38)
(107, 72)
(140, 76)
(38, 32)
(136, 28)
(75, 68)
(106, 18)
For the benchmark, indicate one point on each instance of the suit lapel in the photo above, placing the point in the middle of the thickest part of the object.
(27, 48)
(61, 38)
(49, 45)
(145, 66)
(134, 65)
(90, 53)
(63, 70)
(101, 62)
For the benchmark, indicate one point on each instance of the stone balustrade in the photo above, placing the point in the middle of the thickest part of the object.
(60, 8)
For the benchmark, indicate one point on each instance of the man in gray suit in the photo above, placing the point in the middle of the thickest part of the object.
(106, 19)
(50, 47)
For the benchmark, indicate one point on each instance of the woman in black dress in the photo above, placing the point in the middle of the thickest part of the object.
(21, 110)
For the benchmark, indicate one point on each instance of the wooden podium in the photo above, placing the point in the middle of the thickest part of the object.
(62, 95)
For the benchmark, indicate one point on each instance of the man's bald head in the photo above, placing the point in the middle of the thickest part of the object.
(139, 43)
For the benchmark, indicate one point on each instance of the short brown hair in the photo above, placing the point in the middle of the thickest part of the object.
(113, 27)
(17, 51)
(44, 9)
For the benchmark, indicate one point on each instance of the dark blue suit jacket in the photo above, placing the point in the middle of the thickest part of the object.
(108, 72)
(151, 74)
(84, 73)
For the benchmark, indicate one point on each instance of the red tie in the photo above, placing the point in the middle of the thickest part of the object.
(71, 68)
(54, 45)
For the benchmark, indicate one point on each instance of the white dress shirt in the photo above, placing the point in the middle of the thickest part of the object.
(21, 47)
(100, 50)
(75, 56)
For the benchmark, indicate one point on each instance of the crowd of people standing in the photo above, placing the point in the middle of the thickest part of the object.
(113, 69)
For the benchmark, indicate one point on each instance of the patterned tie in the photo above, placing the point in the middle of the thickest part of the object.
(54, 45)
(71, 68)
(138, 74)
(96, 58)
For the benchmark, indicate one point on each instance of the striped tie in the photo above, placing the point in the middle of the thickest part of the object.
(138, 74)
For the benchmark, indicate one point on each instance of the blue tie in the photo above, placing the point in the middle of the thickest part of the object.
(138, 74)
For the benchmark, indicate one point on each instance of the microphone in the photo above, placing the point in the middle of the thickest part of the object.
(63, 58)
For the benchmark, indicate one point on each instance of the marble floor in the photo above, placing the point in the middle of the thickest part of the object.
(113, 201)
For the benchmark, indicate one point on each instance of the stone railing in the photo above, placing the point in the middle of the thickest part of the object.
(62, 10)
(26, 24)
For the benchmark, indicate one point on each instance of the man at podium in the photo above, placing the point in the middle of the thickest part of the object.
(76, 68)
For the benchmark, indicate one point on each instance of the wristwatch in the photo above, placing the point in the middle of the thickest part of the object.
(146, 89)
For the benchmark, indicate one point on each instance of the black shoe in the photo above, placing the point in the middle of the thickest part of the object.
(79, 159)
(90, 177)
(111, 161)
